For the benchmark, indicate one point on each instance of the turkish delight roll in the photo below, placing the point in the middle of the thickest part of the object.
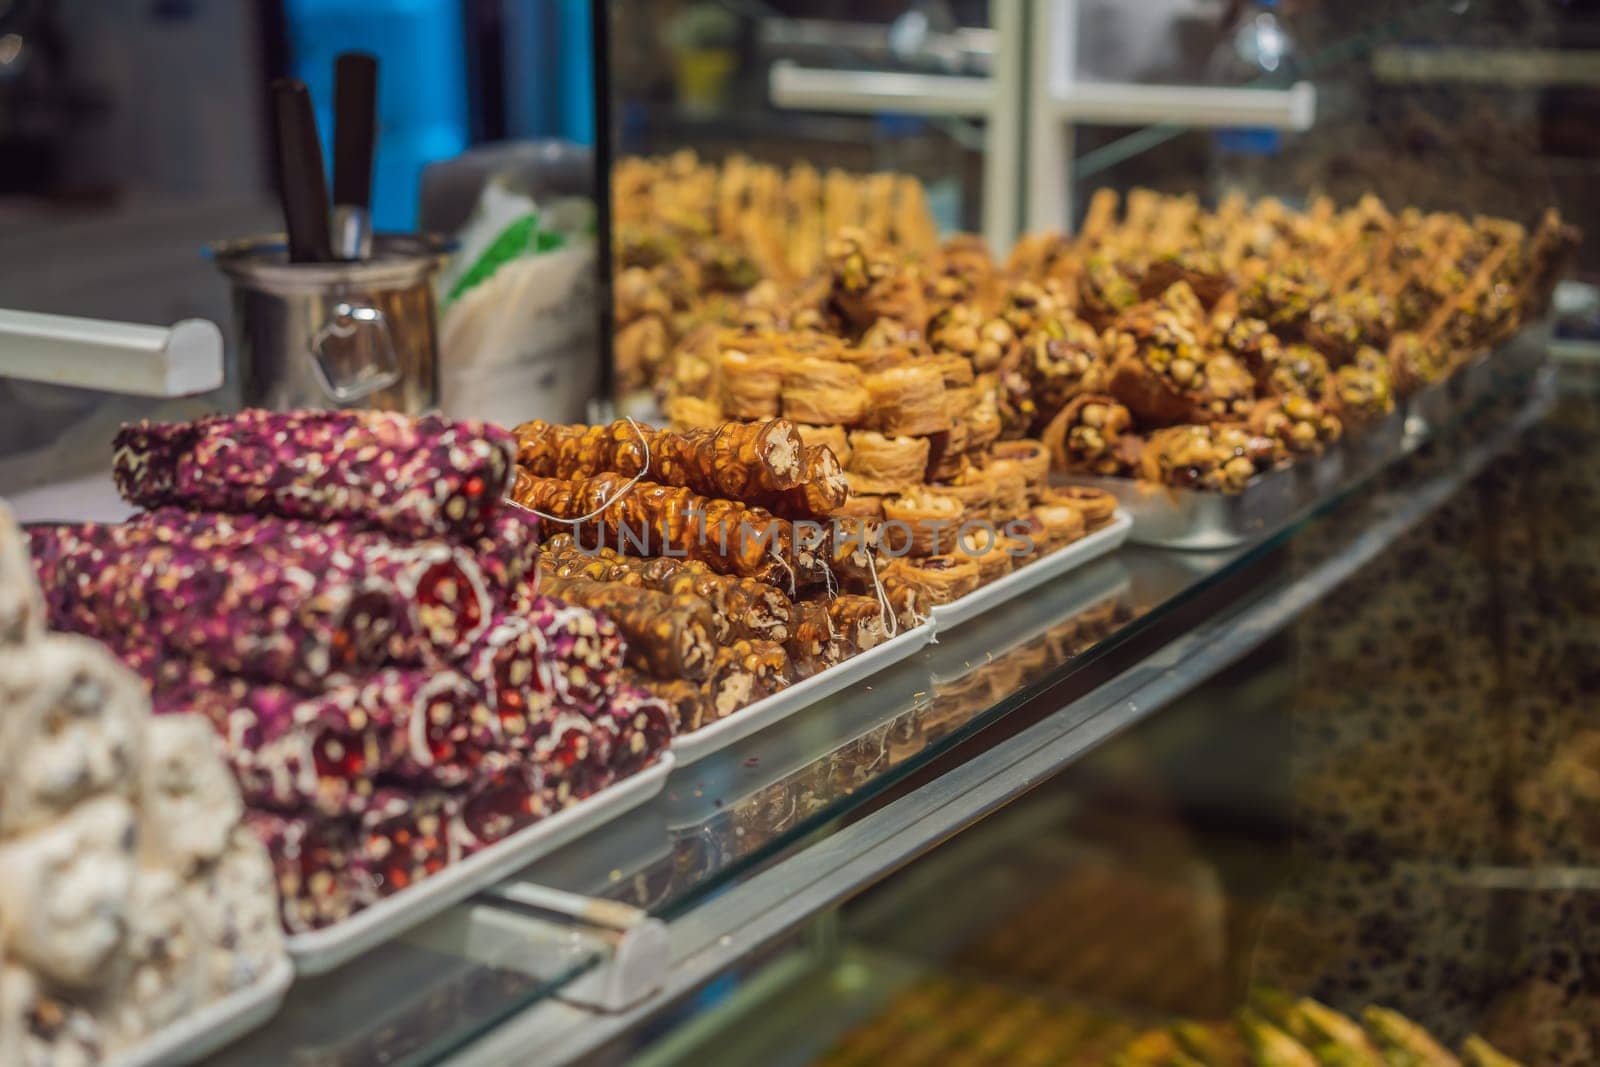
(507, 554)
(573, 747)
(275, 599)
(644, 728)
(498, 804)
(512, 664)
(403, 837)
(426, 476)
(313, 864)
(667, 636)
(586, 651)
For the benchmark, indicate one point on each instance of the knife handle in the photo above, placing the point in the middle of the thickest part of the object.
(303, 184)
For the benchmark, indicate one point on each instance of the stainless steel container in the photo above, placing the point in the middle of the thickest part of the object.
(323, 335)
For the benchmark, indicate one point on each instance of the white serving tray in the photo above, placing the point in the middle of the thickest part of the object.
(323, 950)
(763, 713)
(208, 1028)
(1050, 565)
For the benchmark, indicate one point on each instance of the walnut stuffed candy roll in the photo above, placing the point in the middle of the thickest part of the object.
(667, 636)
(274, 599)
(647, 519)
(741, 607)
(734, 461)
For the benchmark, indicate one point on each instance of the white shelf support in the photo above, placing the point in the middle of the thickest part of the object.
(993, 100)
(878, 92)
(1110, 103)
(1061, 101)
(113, 357)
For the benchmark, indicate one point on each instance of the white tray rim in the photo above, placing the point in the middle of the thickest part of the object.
(322, 950)
(211, 1026)
(1049, 566)
(692, 747)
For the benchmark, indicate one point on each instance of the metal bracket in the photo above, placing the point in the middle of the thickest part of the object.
(639, 953)
(113, 357)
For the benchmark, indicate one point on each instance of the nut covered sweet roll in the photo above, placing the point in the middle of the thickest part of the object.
(414, 477)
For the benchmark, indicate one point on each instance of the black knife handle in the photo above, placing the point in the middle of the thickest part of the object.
(355, 127)
(304, 185)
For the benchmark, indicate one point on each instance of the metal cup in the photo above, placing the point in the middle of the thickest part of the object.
(319, 335)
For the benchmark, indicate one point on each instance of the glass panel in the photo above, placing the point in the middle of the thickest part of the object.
(1388, 803)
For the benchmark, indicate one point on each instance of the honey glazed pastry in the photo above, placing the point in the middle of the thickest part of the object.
(947, 452)
(1031, 457)
(935, 580)
(1062, 523)
(749, 387)
(987, 549)
(1300, 425)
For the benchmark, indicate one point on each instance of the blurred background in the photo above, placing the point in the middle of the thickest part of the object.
(134, 132)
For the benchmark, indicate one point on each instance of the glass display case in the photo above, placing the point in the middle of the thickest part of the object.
(1297, 765)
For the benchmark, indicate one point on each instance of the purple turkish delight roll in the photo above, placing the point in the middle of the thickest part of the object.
(508, 555)
(643, 725)
(273, 599)
(327, 751)
(498, 804)
(585, 651)
(444, 729)
(415, 477)
(574, 752)
(403, 837)
(512, 665)
(312, 861)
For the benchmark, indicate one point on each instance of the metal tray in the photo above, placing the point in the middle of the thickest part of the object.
(323, 950)
(208, 1028)
(948, 616)
(691, 747)
(1190, 519)
(974, 648)
(1368, 448)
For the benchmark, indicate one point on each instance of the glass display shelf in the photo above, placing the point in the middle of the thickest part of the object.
(744, 845)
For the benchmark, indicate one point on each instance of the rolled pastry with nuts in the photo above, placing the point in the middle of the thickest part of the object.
(72, 730)
(22, 611)
(1087, 436)
(67, 890)
(425, 476)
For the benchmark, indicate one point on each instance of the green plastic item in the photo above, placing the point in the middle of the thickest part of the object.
(516, 240)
